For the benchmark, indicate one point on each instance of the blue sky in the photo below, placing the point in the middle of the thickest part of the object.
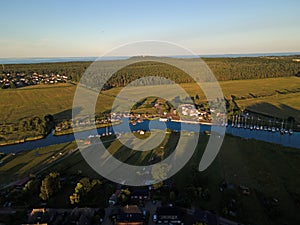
(53, 28)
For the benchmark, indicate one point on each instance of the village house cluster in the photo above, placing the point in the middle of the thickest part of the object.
(11, 80)
(190, 110)
(141, 209)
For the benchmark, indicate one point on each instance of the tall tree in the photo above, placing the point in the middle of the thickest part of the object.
(50, 185)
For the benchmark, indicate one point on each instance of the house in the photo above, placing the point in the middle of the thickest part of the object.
(62, 216)
(37, 216)
(140, 194)
(130, 215)
(205, 217)
(169, 215)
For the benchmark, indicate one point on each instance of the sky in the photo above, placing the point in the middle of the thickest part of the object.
(55, 28)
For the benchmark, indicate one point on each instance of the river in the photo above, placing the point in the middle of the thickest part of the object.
(273, 137)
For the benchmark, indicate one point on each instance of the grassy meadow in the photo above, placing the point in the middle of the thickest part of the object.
(262, 95)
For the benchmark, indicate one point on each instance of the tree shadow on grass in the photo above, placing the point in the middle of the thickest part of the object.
(67, 114)
(282, 111)
(15, 170)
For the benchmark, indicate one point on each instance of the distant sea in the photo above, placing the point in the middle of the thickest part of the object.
(88, 59)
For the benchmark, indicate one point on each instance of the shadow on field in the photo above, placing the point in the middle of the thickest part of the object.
(66, 114)
(282, 111)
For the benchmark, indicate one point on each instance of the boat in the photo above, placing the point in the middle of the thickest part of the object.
(281, 129)
(291, 130)
(163, 119)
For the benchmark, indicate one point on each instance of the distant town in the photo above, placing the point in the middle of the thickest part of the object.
(17, 80)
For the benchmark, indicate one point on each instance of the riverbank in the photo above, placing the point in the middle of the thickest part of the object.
(55, 133)
(70, 131)
(290, 140)
(13, 142)
(193, 122)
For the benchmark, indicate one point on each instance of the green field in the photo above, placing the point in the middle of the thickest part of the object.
(16, 166)
(269, 171)
(57, 100)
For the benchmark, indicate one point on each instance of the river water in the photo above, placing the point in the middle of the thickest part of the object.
(273, 137)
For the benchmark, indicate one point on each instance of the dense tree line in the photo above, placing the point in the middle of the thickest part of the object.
(223, 69)
(27, 127)
(253, 67)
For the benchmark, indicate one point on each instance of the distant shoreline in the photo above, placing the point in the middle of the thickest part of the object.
(34, 60)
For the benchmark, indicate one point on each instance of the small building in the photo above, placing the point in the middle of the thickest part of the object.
(140, 194)
(205, 217)
(130, 215)
(169, 215)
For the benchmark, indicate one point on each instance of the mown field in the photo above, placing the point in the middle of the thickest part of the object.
(262, 95)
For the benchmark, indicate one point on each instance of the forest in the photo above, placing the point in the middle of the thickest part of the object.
(222, 68)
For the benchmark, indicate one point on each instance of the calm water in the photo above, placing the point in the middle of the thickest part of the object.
(82, 59)
(286, 139)
(54, 60)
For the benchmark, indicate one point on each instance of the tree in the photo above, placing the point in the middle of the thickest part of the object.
(50, 185)
(28, 186)
(158, 185)
(12, 85)
(124, 196)
(75, 198)
(172, 196)
(84, 186)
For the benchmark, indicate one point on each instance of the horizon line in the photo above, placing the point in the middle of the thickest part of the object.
(128, 56)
